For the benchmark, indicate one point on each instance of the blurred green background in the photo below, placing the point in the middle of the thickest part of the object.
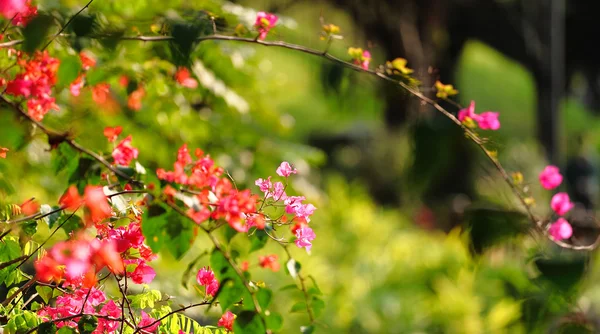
(416, 232)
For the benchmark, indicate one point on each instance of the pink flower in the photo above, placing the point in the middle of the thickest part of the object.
(9, 8)
(143, 273)
(292, 202)
(124, 152)
(561, 203)
(560, 230)
(212, 288)
(366, 59)
(304, 236)
(468, 112)
(550, 177)
(278, 192)
(24, 16)
(264, 23)
(264, 185)
(76, 86)
(285, 169)
(227, 320)
(148, 324)
(205, 276)
(489, 121)
(184, 78)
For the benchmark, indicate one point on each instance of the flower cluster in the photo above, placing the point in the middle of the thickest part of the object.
(124, 153)
(35, 81)
(94, 199)
(551, 178)
(206, 278)
(78, 260)
(89, 301)
(360, 57)
(487, 120)
(275, 192)
(20, 11)
(215, 197)
(264, 22)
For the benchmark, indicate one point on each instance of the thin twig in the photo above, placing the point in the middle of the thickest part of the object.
(170, 314)
(66, 24)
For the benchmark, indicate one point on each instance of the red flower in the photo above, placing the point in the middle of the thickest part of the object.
(124, 152)
(269, 262)
(30, 207)
(143, 273)
(227, 320)
(183, 77)
(87, 61)
(22, 18)
(134, 102)
(97, 203)
(100, 93)
(3, 151)
(112, 133)
(71, 199)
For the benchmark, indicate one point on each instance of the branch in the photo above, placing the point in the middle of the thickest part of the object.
(66, 24)
(170, 314)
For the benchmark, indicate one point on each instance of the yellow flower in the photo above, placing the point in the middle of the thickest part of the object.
(400, 65)
(443, 91)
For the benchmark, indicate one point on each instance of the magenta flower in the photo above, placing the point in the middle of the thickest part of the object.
(227, 320)
(124, 153)
(264, 185)
(264, 23)
(550, 177)
(304, 236)
(205, 276)
(561, 203)
(9, 8)
(468, 112)
(560, 230)
(143, 273)
(285, 169)
(366, 59)
(488, 121)
(148, 324)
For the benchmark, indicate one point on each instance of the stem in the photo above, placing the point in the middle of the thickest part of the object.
(170, 314)
(66, 24)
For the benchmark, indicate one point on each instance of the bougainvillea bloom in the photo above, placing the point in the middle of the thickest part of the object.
(550, 177)
(304, 236)
(134, 102)
(206, 277)
(10, 8)
(183, 77)
(148, 324)
(23, 17)
(366, 60)
(97, 203)
(112, 133)
(101, 93)
(30, 207)
(3, 151)
(227, 320)
(489, 121)
(285, 169)
(468, 112)
(269, 262)
(264, 23)
(560, 230)
(71, 199)
(143, 273)
(264, 185)
(87, 61)
(124, 153)
(34, 82)
(561, 203)
(360, 57)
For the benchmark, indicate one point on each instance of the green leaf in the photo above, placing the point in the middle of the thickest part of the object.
(274, 321)
(232, 289)
(9, 250)
(72, 224)
(29, 228)
(289, 287)
(258, 240)
(45, 292)
(317, 305)
(87, 172)
(47, 328)
(68, 70)
(315, 286)
(564, 273)
(87, 324)
(298, 307)
(83, 24)
(95, 76)
(490, 227)
(36, 31)
(65, 158)
(264, 297)
(169, 230)
(66, 330)
(248, 322)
